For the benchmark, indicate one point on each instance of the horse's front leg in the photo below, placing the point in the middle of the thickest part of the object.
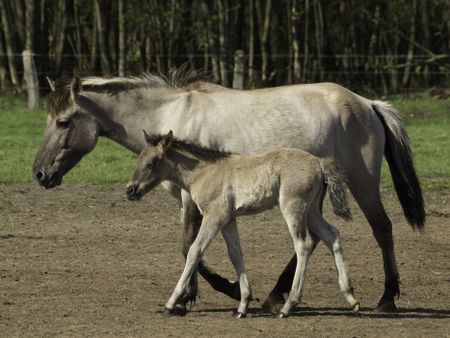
(192, 220)
(209, 229)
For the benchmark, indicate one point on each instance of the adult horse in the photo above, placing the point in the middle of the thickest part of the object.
(324, 119)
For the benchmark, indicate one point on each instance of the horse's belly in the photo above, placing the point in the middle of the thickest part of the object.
(255, 201)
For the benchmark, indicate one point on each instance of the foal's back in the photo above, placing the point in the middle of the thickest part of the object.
(250, 184)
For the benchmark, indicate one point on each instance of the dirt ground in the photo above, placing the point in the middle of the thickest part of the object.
(81, 260)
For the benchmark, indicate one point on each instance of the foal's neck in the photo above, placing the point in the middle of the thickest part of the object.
(184, 168)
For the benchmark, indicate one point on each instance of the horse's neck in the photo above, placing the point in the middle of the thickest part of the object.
(124, 116)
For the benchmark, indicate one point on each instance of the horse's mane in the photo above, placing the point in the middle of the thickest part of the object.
(204, 153)
(182, 77)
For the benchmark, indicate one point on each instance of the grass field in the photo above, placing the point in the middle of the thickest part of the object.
(21, 129)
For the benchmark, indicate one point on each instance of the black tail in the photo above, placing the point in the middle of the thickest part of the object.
(335, 182)
(399, 158)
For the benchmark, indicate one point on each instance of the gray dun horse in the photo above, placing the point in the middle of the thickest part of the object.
(324, 119)
(224, 186)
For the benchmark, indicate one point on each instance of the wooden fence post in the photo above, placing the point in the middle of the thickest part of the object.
(31, 79)
(238, 72)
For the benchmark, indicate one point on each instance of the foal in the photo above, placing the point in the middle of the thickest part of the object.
(225, 185)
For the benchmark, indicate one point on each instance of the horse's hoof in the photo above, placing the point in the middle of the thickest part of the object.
(282, 315)
(386, 307)
(355, 308)
(273, 303)
(239, 315)
(178, 311)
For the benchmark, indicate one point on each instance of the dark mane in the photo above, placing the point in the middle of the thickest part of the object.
(204, 153)
(182, 77)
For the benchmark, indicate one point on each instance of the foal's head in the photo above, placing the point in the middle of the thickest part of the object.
(150, 170)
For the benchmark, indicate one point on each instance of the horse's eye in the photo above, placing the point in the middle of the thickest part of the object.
(62, 123)
(152, 164)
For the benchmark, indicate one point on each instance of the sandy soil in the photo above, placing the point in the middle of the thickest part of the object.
(81, 260)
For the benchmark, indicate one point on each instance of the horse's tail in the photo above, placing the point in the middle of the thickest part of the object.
(399, 158)
(335, 182)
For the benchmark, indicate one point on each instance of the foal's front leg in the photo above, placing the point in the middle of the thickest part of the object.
(192, 220)
(208, 230)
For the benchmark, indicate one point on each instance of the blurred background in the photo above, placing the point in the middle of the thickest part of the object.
(372, 47)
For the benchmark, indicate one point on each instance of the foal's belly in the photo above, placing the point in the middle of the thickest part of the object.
(254, 202)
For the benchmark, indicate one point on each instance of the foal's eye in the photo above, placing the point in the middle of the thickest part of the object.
(62, 123)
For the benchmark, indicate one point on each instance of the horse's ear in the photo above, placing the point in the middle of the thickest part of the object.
(166, 141)
(75, 87)
(147, 137)
(51, 83)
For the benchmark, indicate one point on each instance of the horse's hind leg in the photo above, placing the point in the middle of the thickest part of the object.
(371, 205)
(330, 236)
(231, 236)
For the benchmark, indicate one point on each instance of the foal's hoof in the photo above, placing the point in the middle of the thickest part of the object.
(178, 311)
(282, 315)
(239, 315)
(386, 307)
(273, 303)
(355, 308)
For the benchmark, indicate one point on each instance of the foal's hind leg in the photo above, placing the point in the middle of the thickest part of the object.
(275, 299)
(330, 236)
(294, 212)
(231, 236)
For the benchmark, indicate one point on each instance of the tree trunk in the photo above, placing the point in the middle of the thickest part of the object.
(222, 13)
(238, 73)
(410, 55)
(122, 51)
(306, 43)
(263, 26)
(29, 67)
(105, 64)
(211, 41)
(251, 44)
(9, 45)
(295, 14)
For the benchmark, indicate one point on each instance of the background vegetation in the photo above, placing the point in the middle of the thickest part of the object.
(21, 129)
(385, 46)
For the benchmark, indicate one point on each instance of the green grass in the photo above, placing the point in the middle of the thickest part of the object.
(21, 129)
(428, 124)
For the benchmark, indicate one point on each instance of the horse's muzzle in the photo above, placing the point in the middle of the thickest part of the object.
(45, 180)
(133, 193)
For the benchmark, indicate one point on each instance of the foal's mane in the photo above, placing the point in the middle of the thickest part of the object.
(177, 78)
(210, 154)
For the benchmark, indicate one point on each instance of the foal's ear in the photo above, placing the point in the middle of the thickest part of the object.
(51, 83)
(166, 141)
(75, 87)
(148, 139)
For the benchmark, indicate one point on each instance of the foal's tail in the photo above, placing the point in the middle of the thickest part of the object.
(335, 182)
(398, 156)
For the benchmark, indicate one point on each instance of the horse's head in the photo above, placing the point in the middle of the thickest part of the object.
(151, 169)
(70, 134)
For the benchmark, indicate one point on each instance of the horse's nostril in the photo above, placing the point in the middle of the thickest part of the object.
(131, 190)
(40, 175)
